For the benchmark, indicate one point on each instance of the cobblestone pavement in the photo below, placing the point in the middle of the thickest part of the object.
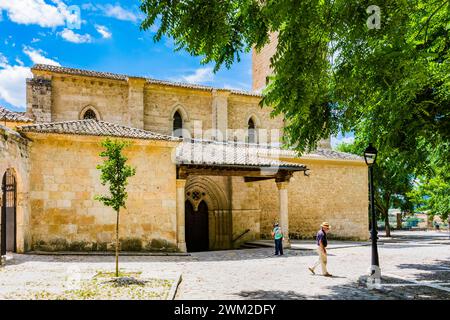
(413, 267)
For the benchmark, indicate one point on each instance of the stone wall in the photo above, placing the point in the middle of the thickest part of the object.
(39, 98)
(242, 108)
(14, 155)
(246, 211)
(261, 63)
(64, 181)
(161, 102)
(70, 95)
(137, 103)
(335, 192)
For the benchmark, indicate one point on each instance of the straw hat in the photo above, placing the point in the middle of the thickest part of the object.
(325, 224)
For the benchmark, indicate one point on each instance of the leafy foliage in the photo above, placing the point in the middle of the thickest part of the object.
(331, 72)
(433, 194)
(115, 173)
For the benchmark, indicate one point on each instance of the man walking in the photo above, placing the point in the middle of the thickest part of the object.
(322, 243)
(278, 236)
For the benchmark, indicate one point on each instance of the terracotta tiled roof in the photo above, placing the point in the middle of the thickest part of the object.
(332, 154)
(79, 72)
(319, 153)
(95, 128)
(122, 77)
(201, 152)
(9, 115)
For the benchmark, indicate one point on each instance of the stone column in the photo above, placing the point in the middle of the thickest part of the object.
(39, 97)
(181, 239)
(283, 213)
(220, 114)
(135, 102)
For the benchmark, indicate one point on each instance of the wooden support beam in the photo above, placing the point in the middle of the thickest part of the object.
(255, 179)
(280, 174)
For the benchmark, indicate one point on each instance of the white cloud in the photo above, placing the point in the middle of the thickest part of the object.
(12, 82)
(200, 75)
(20, 62)
(37, 56)
(35, 40)
(113, 11)
(3, 61)
(106, 34)
(71, 36)
(116, 11)
(39, 12)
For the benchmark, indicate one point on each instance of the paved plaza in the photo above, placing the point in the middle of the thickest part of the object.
(415, 265)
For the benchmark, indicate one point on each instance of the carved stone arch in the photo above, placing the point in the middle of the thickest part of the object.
(8, 215)
(214, 196)
(87, 109)
(181, 110)
(255, 119)
(252, 135)
(219, 213)
(21, 175)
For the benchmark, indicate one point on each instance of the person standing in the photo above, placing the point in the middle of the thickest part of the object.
(322, 243)
(277, 234)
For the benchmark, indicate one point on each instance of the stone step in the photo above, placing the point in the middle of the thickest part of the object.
(254, 245)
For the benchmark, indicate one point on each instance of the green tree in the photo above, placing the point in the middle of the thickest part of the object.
(331, 71)
(392, 182)
(431, 192)
(115, 172)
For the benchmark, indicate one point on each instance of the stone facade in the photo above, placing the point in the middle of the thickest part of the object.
(261, 62)
(14, 156)
(57, 175)
(65, 215)
(334, 191)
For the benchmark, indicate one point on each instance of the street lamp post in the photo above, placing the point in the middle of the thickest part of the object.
(370, 156)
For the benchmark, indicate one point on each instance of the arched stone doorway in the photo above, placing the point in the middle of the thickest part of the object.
(8, 212)
(211, 190)
(197, 227)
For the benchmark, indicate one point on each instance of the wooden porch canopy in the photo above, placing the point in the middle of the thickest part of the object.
(251, 161)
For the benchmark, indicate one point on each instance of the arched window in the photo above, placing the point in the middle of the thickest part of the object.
(177, 125)
(89, 114)
(251, 131)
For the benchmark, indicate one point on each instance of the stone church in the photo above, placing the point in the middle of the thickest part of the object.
(211, 172)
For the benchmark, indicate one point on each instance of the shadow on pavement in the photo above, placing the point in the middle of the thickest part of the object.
(224, 255)
(358, 290)
(438, 271)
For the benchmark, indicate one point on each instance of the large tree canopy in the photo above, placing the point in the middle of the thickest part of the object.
(333, 69)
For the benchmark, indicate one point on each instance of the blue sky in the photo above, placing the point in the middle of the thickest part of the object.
(108, 39)
(104, 36)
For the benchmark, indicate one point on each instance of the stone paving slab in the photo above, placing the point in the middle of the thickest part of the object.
(257, 274)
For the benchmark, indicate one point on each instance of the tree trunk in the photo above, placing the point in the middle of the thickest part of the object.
(399, 221)
(387, 227)
(117, 245)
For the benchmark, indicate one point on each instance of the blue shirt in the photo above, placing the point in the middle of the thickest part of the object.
(322, 236)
